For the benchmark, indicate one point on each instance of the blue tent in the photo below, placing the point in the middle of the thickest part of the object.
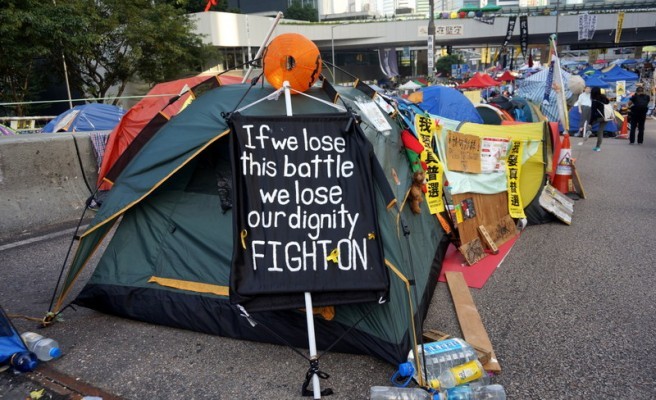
(449, 103)
(589, 71)
(595, 81)
(618, 74)
(533, 89)
(85, 118)
(575, 118)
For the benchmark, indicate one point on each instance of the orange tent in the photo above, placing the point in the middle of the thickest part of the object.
(162, 102)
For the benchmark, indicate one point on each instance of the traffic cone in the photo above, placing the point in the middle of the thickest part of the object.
(562, 179)
(624, 130)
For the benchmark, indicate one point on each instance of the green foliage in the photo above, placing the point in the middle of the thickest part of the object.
(444, 63)
(106, 44)
(302, 12)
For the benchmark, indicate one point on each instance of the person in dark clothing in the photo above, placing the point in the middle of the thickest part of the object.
(638, 107)
(597, 114)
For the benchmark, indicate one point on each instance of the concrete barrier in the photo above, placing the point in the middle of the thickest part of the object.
(42, 182)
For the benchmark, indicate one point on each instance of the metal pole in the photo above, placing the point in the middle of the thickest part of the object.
(332, 47)
(557, 15)
(430, 53)
(264, 43)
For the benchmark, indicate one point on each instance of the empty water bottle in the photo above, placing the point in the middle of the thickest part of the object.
(24, 361)
(397, 393)
(440, 356)
(461, 374)
(470, 392)
(45, 348)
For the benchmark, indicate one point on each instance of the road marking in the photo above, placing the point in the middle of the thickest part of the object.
(40, 238)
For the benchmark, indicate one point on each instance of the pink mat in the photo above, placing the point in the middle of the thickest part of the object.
(477, 274)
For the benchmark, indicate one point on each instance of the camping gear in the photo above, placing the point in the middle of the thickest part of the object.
(144, 119)
(177, 272)
(86, 118)
(447, 102)
(12, 348)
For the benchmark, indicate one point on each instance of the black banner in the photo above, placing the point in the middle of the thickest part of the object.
(509, 32)
(523, 35)
(305, 213)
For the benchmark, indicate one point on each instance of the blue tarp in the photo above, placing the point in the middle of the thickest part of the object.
(10, 341)
(595, 81)
(86, 118)
(575, 118)
(618, 74)
(449, 103)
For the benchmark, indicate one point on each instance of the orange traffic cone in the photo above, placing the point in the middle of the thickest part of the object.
(562, 179)
(624, 130)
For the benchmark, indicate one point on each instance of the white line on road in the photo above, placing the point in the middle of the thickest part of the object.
(40, 238)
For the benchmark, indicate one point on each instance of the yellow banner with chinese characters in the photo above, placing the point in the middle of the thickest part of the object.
(513, 170)
(425, 128)
(618, 29)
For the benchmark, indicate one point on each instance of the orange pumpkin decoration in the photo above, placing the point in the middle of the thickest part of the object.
(294, 58)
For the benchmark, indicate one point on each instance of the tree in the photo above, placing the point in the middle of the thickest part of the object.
(106, 44)
(302, 12)
(123, 40)
(443, 64)
(26, 42)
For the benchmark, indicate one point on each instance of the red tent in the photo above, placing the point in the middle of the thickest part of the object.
(506, 77)
(162, 102)
(479, 81)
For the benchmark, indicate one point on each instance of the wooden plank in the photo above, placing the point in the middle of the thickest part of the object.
(488, 209)
(576, 180)
(487, 239)
(473, 251)
(471, 324)
(502, 230)
(433, 335)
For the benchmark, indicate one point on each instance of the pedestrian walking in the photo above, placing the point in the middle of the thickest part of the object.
(638, 107)
(599, 100)
(584, 103)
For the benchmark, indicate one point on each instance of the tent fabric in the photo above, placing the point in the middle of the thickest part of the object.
(168, 194)
(449, 103)
(492, 115)
(617, 73)
(534, 135)
(532, 88)
(506, 77)
(10, 340)
(479, 81)
(410, 85)
(86, 118)
(167, 98)
(6, 131)
(595, 81)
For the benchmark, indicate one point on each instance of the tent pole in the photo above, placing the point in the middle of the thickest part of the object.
(263, 46)
(316, 388)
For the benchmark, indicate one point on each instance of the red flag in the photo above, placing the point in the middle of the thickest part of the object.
(209, 5)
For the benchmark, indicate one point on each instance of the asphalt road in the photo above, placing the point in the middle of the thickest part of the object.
(571, 312)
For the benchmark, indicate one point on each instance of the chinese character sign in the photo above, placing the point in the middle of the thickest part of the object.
(513, 170)
(425, 126)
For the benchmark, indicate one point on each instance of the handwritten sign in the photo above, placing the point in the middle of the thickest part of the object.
(463, 152)
(299, 225)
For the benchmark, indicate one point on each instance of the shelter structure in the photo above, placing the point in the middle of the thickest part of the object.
(176, 193)
(479, 81)
(86, 118)
(446, 102)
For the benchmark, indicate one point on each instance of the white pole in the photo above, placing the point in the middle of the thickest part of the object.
(264, 43)
(316, 387)
(332, 47)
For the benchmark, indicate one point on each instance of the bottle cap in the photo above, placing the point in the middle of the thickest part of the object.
(55, 352)
(406, 369)
(434, 383)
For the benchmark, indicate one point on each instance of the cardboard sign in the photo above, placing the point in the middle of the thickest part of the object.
(298, 225)
(463, 152)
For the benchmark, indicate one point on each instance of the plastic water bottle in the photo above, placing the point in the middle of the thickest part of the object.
(45, 348)
(469, 392)
(461, 374)
(397, 393)
(440, 356)
(23, 361)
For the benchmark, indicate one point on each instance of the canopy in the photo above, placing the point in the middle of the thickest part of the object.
(617, 73)
(479, 81)
(507, 76)
(410, 85)
(595, 81)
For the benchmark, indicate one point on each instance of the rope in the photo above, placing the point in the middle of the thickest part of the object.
(314, 370)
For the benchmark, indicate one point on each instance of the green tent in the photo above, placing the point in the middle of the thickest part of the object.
(168, 260)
